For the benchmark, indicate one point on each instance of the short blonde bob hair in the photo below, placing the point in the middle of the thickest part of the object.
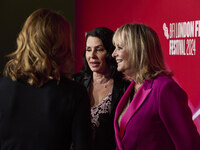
(144, 49)
(44, 49)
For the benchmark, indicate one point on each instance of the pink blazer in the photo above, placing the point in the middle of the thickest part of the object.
(158, 118)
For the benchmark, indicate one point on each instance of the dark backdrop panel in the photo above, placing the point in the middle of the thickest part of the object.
(13, 13)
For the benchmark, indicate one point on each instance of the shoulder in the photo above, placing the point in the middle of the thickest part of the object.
(66, 89)
(70, 84)
(166, 85)
(6, 82)
(80, 77)
(165, 80)
(77, 76)
(74, 91)
(162, 80)
(5, 79)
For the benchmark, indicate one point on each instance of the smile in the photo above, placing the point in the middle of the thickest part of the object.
(118, 60)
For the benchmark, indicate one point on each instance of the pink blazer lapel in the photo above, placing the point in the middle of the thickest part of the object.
(137, 101)
(135, 104)
(118, 111)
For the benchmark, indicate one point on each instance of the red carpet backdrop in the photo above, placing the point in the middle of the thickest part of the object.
(177, 23)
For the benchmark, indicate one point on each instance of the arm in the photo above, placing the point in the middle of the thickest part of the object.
(177, 117)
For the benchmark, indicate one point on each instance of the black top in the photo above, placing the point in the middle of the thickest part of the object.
(104, 138)
(46, 118)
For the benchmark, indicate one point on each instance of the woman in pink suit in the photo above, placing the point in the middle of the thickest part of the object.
(153, 113)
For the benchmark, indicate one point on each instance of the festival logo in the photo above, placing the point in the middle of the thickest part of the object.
(182, 37)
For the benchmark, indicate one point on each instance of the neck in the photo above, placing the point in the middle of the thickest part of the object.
(100, 78)
(129, 75)
(137, 86)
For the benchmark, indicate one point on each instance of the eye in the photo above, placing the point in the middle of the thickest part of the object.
(88, 49)
(119, 47)
(100, 49)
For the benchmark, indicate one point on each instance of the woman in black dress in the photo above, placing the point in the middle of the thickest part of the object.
(104, 84)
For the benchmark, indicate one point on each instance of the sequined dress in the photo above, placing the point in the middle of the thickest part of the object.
(100, 111)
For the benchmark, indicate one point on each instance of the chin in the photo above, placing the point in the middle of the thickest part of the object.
(119, 69)
(96, 70)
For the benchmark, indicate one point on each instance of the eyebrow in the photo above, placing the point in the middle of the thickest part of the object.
(95, 46)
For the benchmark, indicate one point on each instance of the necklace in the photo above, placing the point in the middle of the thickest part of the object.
(105, 84)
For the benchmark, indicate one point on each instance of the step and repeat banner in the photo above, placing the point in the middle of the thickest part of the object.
(177, 23)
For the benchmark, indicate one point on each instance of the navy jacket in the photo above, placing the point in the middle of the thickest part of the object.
(46, 118)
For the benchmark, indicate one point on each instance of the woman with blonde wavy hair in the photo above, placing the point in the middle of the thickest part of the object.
(153, 113)
(40, 108)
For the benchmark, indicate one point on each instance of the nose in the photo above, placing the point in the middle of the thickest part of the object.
(114, 53)
(92, 54)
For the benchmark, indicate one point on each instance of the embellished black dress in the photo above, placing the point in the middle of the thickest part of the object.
(103, 114)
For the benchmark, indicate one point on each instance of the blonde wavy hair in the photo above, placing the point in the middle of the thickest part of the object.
(44, 49)
(144, 49)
